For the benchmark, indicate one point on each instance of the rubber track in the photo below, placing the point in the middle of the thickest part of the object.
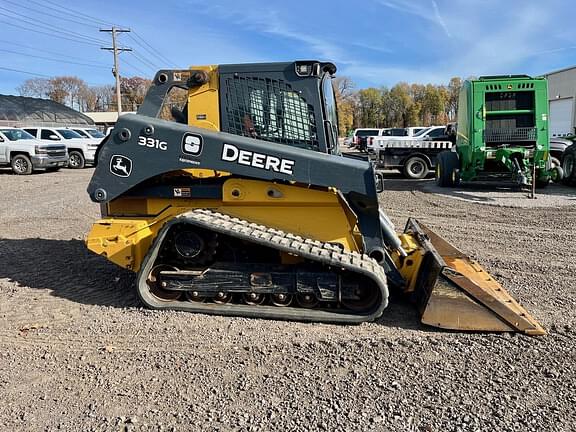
(309, 249)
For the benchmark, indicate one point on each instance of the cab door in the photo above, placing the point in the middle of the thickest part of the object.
(3, 149)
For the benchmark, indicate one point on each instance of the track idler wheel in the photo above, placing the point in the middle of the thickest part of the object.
(361, 297)
(281, 299)
(154, 284)
(194, 296)
(253, 298)
(306, 300)
(222, 298)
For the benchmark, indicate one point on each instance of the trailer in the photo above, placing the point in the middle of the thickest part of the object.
(415, 159)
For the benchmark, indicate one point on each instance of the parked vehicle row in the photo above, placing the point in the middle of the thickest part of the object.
(51, 148)
(416, 159)
(362, 138)
(432, 133)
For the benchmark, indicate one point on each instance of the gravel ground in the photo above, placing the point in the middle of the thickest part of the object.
(77, 352)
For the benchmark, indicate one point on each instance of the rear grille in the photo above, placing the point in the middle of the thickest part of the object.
(510, 135)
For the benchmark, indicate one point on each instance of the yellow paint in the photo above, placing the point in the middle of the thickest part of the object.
(317, 213)
(409, 266)
(203, 104)
(205, 173)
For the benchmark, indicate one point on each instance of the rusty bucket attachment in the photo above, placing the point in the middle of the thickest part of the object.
(454, 292)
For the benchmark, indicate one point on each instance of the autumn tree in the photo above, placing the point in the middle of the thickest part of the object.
(453, 92)
(406, 105)
(104, 97)
(133, 90)
(67, 90)
(344, 94)
(35, 87)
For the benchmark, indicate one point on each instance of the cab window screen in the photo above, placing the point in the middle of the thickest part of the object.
(269, 110)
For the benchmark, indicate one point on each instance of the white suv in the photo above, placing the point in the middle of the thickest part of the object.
(81, 151)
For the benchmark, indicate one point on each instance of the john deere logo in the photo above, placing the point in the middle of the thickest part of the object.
(192, 144)
(120, 166)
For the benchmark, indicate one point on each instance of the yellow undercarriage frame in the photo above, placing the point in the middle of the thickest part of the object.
(318, 214)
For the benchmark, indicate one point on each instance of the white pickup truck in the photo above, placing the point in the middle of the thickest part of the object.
(81, 151)
(24, 153)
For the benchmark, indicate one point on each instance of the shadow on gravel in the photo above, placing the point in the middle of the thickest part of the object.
(8, 171)
(401, 314)
(486, 192)
(396, 182)
(71, 272)
(68, 269)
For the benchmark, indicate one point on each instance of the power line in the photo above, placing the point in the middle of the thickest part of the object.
(145, 62)
(137, 69)
(53, 60)
(151, 49)
(24, 72)
(140, 41)
(46, 76)
(67, 10)
(49, 34)
(50, 28)
(52, 52)
(43, 13)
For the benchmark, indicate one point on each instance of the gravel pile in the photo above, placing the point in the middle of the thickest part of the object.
(77, 352)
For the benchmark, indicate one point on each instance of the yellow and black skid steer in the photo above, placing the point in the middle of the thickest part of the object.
(242, 204)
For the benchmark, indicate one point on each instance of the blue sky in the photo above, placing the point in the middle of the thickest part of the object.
(375, 42)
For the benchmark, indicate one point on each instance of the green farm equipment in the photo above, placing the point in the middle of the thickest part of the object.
(502, 134)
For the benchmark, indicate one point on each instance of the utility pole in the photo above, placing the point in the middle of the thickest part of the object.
(116, 70)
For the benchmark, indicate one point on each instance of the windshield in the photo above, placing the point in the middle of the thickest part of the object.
(68, 134)
(367, 132)
(422, 132)
(331, 110)
(82, 133)
(95, 133)
(16, 134)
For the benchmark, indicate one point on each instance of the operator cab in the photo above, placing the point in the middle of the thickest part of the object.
(285, 103)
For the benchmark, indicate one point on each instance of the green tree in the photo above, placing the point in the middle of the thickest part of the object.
(453, 93)
(369, 107)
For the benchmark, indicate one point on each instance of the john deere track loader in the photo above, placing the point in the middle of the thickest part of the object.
(242, 204)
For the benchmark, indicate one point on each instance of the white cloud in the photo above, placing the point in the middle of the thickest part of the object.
(439, 19)
(268, 21)
(413, 7)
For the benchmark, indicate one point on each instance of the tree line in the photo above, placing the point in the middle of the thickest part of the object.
(77, 94)
(400, 106)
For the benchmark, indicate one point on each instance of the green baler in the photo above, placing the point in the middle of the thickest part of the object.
(502, 133)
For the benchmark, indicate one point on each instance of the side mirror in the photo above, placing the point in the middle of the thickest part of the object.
(54, 137)
(379, 178)
(1, 139)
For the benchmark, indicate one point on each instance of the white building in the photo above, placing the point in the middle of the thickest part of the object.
(105, 119)
(562, 96)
